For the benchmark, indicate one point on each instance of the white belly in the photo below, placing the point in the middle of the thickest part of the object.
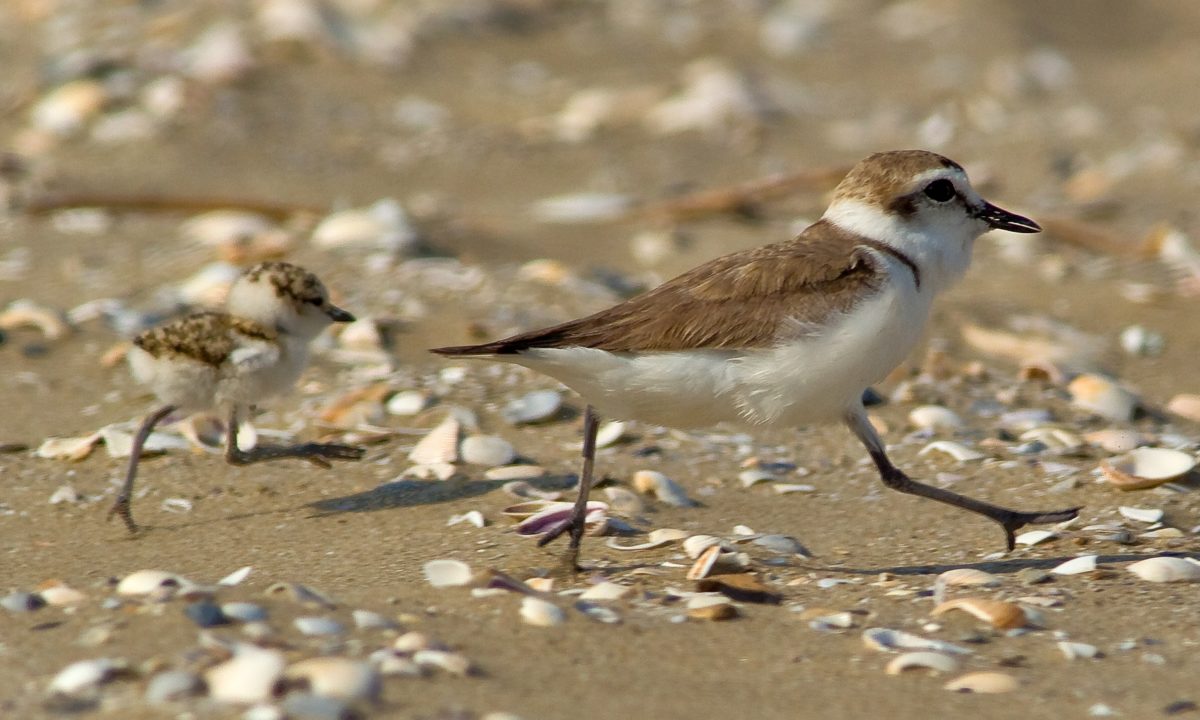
(244, 379)
(813, 378)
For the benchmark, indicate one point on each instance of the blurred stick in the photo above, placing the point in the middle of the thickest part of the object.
(743, 199)
(151, 202)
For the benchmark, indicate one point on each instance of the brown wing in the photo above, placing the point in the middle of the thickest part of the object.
(736, 301)
(207, 336)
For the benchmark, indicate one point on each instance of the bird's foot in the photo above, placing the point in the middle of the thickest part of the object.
(1016, 520)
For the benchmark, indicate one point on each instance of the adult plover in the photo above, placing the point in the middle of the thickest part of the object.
(230, 361)
(787, 334)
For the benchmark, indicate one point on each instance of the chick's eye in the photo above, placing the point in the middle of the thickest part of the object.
(940, 190)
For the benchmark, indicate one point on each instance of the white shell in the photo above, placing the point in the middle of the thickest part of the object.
(1076, 650)
(1146, 515)
(248, 677)
(1075, 566)
(371, 620)
(656, 538)
(924, 660)
(1167, 569)
(532, 407)
(448, 573)
(1033, 537)
(440, 445)
(82, 675)
(520, 472)
(67, 108)
(958, 451)
(610, 433)
(144, 582)
(1114, 440)
(471, 517)
(788, 488)
(1185, 405)
(984, 682)
(536, 611)
(236, 577)
(968, 577)
(61, 596)
(76, 448)
(652, 482)
(1146, 467)
(1098, 394)
(64, 494)
(451, 662)
(118, 442)
(606, 591)
(315, 625)
(336, 677)
(382, 226)
(935, 417)
(487, 450)
(581, 208)
(407, 403)
(697, 544)
(754, 476)
(221, 227)
(886, 639)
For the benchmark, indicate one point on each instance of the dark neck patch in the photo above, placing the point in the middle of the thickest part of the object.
(889, 250)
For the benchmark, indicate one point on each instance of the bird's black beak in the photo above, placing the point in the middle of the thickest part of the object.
(1001, 219)
(337, 314)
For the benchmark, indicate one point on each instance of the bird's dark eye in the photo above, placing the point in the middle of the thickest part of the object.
(940, 190)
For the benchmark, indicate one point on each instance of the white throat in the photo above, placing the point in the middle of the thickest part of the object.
(942, 250)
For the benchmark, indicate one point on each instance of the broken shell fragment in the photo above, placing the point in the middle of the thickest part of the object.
(652, 482)
(1146, 467)
(1077, 650)
(1076, 566)
(997, 613)
(1146, 515)
(1033, 537)
(1098, 394)
(958, 451)
(542, 613)
(986, 682)
(610, 433)
(74, 449)
(448, 573)
(1113, 440)
(922, 660)
(697, 544)
(888, 640)
(26, 313)
(968, 577)
(710, 607)
(935, 417)
(555, 514)
(606, 590)
(1167, 569)
(656, 538)
(440, 445)
(144, 582)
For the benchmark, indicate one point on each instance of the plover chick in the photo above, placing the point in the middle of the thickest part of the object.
(233, 360)
(788, 334)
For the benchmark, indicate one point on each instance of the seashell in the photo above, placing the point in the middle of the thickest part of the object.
(695, 545)
(298, 22)
(224, 227)
(704, 563)
(26, 313)
(172, 686)
(581, 208)
(1053, 438)
(1099, 395)
(407, 403)
(958, 451)
(450, 662)
(936, 418)
(740, 586)
(390, 663)
(656, 538)
(922, 660)
(1146, 468)
(209, 286)
(220, 55)
(1185, 405)
(546, 271)
(440, 445)
(118, 443)
(448, 573)
(710, 607)
(997, 613)
(67, 108)
(714, 97)
(370, 620)
(781, 544)
(533, 507)
(558, 513)
(1076, 566)
(1077, 650)
(1167, 569)
(536, 611)
(830, 621)
(652, 482)
(471, 517)
(599, 613)
(245, 612)
(1146, 515)
(985, 682)
(533, 407)
(487, 450)
(413, 641)
(520, 489)
(888, 640)
(1166, 532)
(248, 677)
(318, 626)
(382, 226)
(20, 601)
(624, 501)
(302, 594)
(754, 476)
(610, 433)
(788, 488)
(64, 494)
(74, 449)
(336, 677)
(968, 577)
(58, 594)
(236, 577)
(82, 675)
(1137, 340)
(1033, 537)
(541, 584)
(1114, 441)
(144, 582)
(516, 473)
(606, 590)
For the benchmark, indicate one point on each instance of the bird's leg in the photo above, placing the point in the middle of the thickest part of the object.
(122, 505)
(575, 524)
(318, 454)
(894, 478)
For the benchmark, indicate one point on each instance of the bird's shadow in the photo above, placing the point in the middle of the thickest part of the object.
(411, 493)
